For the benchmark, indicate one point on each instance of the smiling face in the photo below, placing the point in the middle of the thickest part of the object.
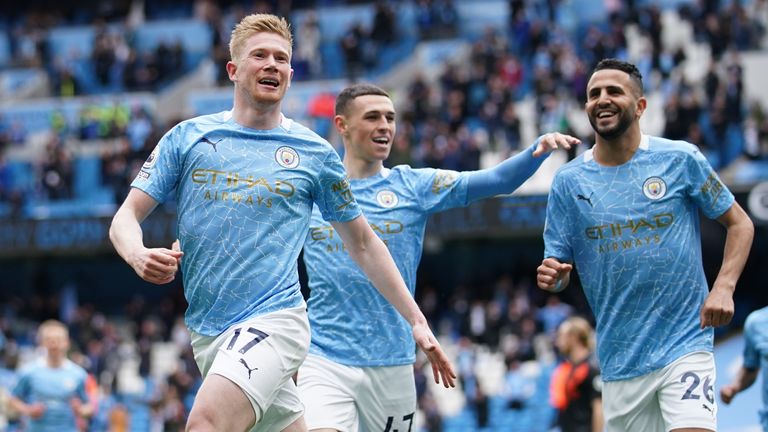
(368, 127)
(614, 103)
(261, 68)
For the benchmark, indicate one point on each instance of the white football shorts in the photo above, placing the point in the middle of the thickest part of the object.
(351, 399)
(261, 355)
(679, 395)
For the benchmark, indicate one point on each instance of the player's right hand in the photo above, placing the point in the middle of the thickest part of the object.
(550, 272)
(441, 366)
(727, 393)
(157, 265)
(36, 410)
(553, 141)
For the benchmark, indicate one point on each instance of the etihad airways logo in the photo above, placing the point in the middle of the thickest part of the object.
(328, 234)
(236, 180)
(631, 227)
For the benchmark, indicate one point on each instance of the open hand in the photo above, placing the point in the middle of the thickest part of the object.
(442, 370)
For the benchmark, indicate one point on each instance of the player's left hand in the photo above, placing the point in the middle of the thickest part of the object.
(553, 141)
(441, 366)
(718, 308)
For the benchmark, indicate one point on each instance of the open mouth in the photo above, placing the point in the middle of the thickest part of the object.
(381, 140)
(605, 114)
(269, 82)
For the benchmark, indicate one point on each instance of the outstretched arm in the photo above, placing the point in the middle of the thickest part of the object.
(373, 257)
(744, 379)
(718, 307)
(507, 176)
(156, 265)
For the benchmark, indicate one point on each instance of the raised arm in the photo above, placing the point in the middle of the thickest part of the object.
(508, 175)
(718, 307)
(373, 257)
(156, 265)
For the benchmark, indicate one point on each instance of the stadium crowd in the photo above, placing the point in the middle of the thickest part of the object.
(471, 109)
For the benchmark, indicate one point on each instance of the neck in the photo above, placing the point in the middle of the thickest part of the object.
(359, 168)
(617, 151)
(256, 115)
(55, 362)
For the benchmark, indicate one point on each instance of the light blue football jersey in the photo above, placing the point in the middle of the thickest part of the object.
(756, 353)
(54, 388)
(632, 232)
(244, 199)
(351, 322)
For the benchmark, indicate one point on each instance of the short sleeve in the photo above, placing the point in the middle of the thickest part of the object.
(706, 189)
(556, 226)
(439, 189)
(751, 354)
(159, 175)
(334, 195)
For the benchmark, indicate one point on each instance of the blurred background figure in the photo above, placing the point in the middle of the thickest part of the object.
(576, 388)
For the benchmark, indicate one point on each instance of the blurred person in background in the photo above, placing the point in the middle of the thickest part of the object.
(51, 392)
(576, 386)
(755, 357)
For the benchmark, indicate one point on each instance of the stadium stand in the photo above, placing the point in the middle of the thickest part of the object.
(86, 95)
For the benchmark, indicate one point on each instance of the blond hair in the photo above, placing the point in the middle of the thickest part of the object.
(258, 23)
(49, 325)
(580, 328)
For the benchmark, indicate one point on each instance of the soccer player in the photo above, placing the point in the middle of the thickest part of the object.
(51, 391)
(625, 214)
(359, 373)
(575, 386)
(755, 356)
(245, 183)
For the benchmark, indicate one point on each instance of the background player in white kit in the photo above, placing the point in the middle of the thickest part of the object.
(625, 214)
(245, 182)
(359, 373)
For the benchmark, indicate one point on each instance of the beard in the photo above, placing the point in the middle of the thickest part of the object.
(611, 133)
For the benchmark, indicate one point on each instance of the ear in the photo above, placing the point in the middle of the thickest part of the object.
(340, 123)
(290, 79)
(232, 71)
(642, 104)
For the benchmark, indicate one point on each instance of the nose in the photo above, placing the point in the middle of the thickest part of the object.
(270, 62)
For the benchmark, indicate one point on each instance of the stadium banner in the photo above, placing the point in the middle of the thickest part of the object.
(76, 236)
(504, 216)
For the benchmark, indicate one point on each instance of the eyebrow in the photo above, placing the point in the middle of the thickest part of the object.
(377, 112)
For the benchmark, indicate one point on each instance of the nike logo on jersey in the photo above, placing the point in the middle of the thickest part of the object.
(706, 408)
(242, 361)
(208, 141)
(587, 199)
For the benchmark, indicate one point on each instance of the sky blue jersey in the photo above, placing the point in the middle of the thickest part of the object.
(244, 199)
(632, 232)
(756, 353)
(53, 387)
(351, 322)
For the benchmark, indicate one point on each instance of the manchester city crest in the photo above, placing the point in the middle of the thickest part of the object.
(654, 188)
(287, 157)
(386, 199)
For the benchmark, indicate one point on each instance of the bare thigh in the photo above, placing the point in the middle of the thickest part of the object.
(220, 405)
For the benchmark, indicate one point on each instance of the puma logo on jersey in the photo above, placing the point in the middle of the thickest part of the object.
(208, 141)
(587, 199)
(706, 407)
(242, 361)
